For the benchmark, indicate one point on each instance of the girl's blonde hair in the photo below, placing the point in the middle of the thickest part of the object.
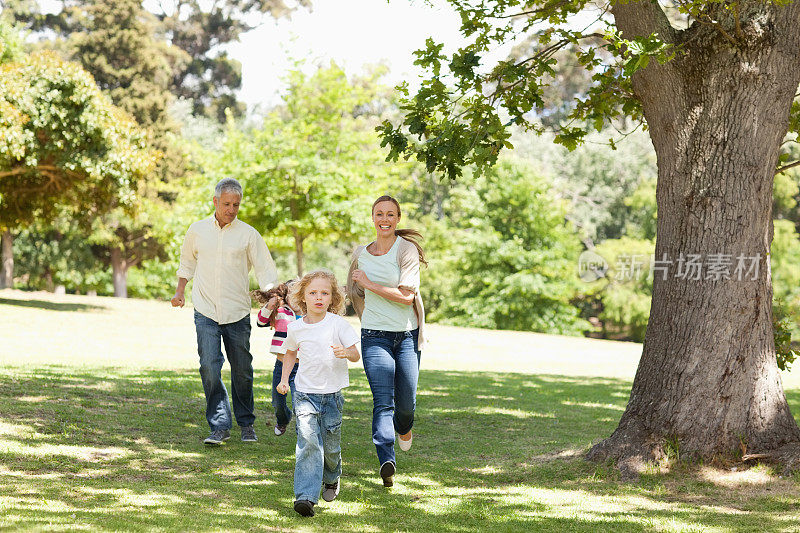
(298, 289)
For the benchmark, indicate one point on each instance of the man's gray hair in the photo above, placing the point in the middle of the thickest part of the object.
(228, 185)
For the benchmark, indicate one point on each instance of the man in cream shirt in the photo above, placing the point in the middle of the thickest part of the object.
(218, 252)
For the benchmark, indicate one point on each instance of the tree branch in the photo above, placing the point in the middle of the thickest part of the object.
(784, 168)
(553, 5)
(642, 18)
(737, 18)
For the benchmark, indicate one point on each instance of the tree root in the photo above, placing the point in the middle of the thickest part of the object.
(787, 456)
(631, 448)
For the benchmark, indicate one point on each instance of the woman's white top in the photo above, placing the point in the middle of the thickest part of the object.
(381, 313)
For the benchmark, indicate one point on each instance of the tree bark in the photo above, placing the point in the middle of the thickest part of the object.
(7, 271)
(708, 379)
(298, 251)
(119, 272)
(49, 284)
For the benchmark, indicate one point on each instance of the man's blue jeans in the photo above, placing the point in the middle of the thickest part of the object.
(236, 337)
(391, 362)
(283, 415)
(318, 454)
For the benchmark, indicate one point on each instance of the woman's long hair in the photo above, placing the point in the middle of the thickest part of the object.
(408, 234)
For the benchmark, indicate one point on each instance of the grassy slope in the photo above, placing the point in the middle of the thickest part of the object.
(101, 418)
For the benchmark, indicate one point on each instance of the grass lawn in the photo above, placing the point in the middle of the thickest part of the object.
(101, 423)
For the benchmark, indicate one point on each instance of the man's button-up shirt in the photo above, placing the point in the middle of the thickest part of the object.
(219, 259)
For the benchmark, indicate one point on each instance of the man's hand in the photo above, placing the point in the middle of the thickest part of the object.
(282, 388)
(178, 300)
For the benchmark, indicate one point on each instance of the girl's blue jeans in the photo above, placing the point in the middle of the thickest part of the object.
(391, 362)
(283, 414)
(318, 455)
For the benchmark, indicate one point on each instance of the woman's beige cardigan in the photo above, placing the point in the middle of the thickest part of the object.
(406, 255)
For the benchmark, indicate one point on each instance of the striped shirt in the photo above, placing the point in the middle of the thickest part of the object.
(283, 317)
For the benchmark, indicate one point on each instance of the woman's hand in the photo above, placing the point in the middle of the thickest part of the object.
(360, 277)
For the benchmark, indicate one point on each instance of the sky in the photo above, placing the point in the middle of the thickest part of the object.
(354, 33)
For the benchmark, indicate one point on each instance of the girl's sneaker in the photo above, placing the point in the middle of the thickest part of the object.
(330, 491)
(279, 430)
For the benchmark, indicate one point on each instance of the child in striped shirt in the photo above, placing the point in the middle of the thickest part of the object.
(277, 314)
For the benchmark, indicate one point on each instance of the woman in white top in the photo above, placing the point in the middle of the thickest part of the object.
(383, 285)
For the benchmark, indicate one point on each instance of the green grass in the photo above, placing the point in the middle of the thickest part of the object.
(111, 441)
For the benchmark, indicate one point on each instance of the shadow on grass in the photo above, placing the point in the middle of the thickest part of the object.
(52, 306)
(110, 450)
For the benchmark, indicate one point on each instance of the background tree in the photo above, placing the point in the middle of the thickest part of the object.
(62, 143)
(506, 259)
(118, 47)
(708, 373)
(597, 182)
(55, 252)
(211, 77)
(11, 49)
(308, 171)
(201, 72)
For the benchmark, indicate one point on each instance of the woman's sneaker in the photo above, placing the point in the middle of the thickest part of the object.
(304, 507)
(387, 471)
(330, 491)
(405, 445)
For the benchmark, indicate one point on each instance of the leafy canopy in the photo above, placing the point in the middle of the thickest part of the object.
(315, 162)
(463, 110)
(506, 259)
(62, 142)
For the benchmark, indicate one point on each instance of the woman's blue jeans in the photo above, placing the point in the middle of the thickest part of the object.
(283, 414)
(318, 454)
(236, 337)
(391, 362)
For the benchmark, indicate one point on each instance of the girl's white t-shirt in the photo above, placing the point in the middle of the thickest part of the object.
(320, 372)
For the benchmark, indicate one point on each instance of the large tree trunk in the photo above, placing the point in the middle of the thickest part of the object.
(717, 114)
(7, 270)
(119, 272)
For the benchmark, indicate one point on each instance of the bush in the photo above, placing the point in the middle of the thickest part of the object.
(508, 259)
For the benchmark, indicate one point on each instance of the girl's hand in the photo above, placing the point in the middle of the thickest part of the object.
(282, 388)
(272, 303)
(360, 277)
(339, 351)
